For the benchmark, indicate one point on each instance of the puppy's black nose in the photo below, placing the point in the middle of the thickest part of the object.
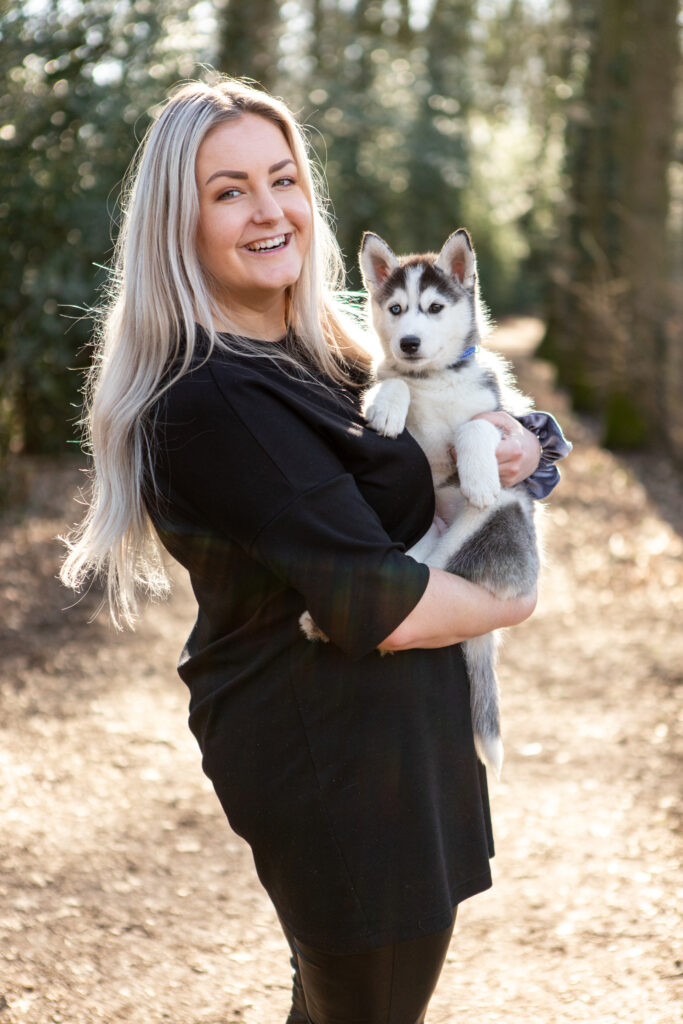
(410, 344)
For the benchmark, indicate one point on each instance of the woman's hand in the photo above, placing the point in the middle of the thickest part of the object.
(519, 451)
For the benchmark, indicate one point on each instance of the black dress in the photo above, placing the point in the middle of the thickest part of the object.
(352, 775)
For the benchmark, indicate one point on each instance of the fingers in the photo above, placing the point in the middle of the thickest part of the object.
(510, 456)
(519, 451)
(503, 420)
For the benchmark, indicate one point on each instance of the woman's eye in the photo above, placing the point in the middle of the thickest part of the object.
(285, 181)
(435, 307)
(395, 310)
(230, 193)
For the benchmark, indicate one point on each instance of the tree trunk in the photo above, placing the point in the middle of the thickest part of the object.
(611, 326)
(439, 158)
(249, 40)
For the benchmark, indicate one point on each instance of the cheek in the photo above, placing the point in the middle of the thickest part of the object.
(302, 216)
(206, 240)
(217, 229)
(384, 323)
(465, 317)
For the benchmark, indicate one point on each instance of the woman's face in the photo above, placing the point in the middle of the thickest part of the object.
(254, 218)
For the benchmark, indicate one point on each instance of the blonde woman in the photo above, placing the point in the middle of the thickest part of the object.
(223, 417)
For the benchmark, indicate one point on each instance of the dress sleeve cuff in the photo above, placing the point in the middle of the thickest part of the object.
(554, 446)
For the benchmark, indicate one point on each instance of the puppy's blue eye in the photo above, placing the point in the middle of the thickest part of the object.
(435, 307)
(395, 310)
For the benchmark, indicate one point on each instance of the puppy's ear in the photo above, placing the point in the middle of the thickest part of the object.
(457, 259)
(377, 261)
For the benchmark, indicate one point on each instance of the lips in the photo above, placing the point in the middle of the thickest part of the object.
(268, 244)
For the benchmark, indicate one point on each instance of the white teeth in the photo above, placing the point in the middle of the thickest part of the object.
(268, 243)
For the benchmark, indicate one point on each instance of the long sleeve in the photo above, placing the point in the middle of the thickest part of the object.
(241, 458)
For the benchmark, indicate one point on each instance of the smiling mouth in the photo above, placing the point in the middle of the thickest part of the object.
(268, 244)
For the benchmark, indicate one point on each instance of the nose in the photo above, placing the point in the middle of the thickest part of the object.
(410, 344)
(266, 207)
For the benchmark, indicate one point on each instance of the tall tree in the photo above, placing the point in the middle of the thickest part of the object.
(249, 34)
(390, 105)
(349, 101)
(439, 168)
(614, 291)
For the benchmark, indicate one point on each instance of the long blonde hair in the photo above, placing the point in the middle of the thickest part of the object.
(157, 293)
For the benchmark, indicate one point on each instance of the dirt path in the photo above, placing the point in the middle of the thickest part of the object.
(124, 897)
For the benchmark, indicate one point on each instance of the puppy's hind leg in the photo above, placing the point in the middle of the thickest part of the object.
(480, 656)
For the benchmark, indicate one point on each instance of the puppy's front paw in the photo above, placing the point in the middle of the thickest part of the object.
(475, 444)
(386, 407)
(310, 630)
(481, 491)
(385, 420)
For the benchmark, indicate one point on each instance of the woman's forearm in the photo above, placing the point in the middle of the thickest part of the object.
(452, 610)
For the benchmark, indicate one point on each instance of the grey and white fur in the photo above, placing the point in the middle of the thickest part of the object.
(427, 315)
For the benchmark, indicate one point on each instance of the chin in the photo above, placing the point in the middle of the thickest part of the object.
(282, 280)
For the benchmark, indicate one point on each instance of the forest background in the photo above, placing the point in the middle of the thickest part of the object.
(550, 128)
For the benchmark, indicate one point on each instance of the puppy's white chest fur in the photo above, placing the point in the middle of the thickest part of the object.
(440, 404)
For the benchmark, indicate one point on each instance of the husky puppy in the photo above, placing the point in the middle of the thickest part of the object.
(433, 379)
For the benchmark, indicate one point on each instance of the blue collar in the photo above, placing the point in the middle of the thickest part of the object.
(471, 351)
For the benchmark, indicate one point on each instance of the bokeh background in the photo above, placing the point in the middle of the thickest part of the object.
(550, 128)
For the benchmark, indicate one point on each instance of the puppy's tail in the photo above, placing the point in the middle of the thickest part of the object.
(481, 656)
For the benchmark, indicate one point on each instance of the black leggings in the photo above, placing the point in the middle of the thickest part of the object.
(388, 985)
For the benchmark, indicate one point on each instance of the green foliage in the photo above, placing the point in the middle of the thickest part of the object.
(426, 117)
(76, 83)
(427, 124)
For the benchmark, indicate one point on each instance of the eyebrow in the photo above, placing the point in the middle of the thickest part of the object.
(242, 174)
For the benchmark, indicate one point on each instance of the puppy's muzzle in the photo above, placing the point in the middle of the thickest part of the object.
(410, 344)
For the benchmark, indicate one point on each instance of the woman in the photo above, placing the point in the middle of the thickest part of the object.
(224, 421)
